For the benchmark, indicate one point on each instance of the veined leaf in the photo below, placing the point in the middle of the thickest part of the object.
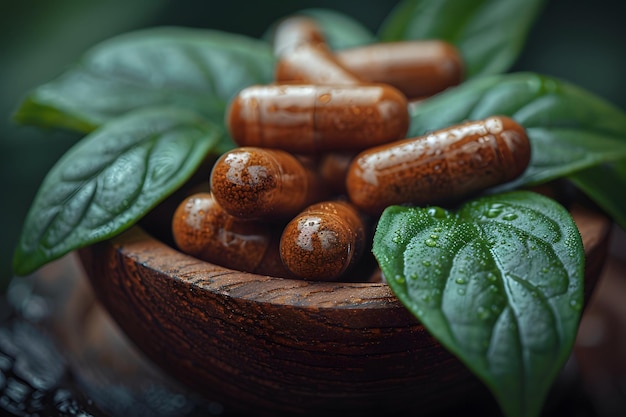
(569, 129)
(499, 283)
(188, 68)
(110, 179)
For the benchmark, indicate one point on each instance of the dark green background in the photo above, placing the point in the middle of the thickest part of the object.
(579, 41)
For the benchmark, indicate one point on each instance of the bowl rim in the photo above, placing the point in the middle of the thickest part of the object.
(150, 252)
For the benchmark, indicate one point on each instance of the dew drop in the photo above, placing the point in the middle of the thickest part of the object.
(461, 291)
(491, 277)
(430, 242)
(509, 216)
(325, 98)
(399, 279)
(437, 212)
(426, 263)
(575, 304)
(413, 277)
(434, 236)
(460, 281)
(483, 313)
(493, 213)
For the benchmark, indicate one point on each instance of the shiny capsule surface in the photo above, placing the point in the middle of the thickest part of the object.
(439, 167)
(201, 228)
(417, 68)
(257, 183)
(317, 118)
(294, 31)
(313, 64)
(323, 241)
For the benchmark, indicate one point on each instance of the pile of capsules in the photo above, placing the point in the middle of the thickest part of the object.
(322, 151)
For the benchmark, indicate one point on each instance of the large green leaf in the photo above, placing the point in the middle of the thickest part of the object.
(499, 283)
(110, 179)
(569, 129)
(490, 34)
(190, 68)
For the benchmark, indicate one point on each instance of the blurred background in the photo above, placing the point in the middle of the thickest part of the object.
(575, 40)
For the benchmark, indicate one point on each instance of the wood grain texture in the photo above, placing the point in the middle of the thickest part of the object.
(266, 345)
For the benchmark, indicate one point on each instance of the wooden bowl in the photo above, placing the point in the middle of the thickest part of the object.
(267, 345)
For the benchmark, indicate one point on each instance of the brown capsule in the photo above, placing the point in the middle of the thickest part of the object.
(294, 31)
(417, 68)
(316, 118)
(201, 228)
(257, 183)
(304, 57)
(313, 64)
(441, 166)
(333, 168)
(323, 241)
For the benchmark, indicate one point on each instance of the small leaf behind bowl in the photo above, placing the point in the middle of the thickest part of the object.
(489, 33)
(498, 282)
(110, 179)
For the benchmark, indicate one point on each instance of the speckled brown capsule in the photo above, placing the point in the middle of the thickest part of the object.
(201, 228)
(317, 118)
(444, 165)
(417, 68)
(257, 183)
(323, 241)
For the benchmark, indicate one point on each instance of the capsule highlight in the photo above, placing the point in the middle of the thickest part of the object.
(417, 68)
(269, 184)
(317, 118)
(323, 242)
(439, 167)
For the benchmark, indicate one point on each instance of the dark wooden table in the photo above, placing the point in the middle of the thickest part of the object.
(62, 355)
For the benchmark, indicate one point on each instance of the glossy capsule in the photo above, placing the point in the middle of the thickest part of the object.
(313, 64)
(323, 241)
(304, 57)
(294, 31)
(201, 228)
(439, 167)
(257, 183)
(417, 68)
(317, 118)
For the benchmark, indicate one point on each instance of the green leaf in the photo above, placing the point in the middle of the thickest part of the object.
(110, 179)
(569, 129)
(190, 68)
(499, 283)
(605, 184)
(490, 34)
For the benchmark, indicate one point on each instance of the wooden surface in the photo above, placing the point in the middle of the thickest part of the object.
(264, 345)
(61, 354)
